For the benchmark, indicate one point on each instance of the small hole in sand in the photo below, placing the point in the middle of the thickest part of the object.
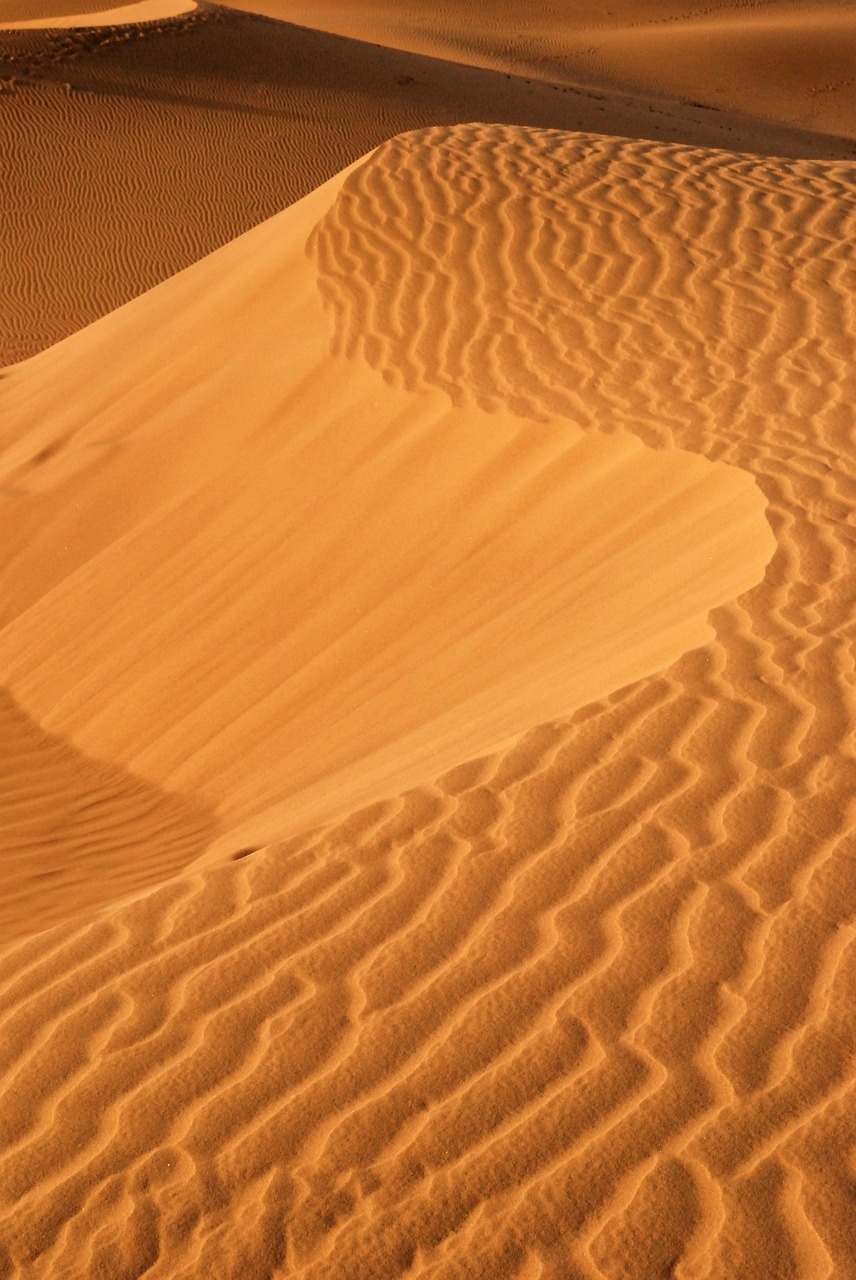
(243, 853)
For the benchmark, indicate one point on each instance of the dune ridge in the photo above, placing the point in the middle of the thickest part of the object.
(780, 60)
(130, 152)
(579, 1007)
(345, 665)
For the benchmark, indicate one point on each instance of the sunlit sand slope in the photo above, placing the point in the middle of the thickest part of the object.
(41, 11)
(142, 11)
(286, 589)
(129, 152)
(578, 1008)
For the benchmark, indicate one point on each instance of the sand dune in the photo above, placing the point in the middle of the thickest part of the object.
(142, 11)
(786, 60)
(575, 1006)
(345, 668)
(129, 152)
(14, 11)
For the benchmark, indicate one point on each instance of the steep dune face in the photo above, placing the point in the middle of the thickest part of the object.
(324, 589)
(579, 1005)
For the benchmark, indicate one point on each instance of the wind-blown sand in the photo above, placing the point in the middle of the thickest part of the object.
(142, 11)
(130, 152)
(783, 60)
(430, 703)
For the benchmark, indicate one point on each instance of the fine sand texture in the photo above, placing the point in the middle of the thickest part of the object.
(128, 152)
(450, 582)
(143, 11)
(781, 60)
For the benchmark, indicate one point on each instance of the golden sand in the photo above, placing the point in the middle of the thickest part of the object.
(426, 646)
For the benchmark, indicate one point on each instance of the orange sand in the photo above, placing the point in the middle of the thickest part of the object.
(426, 639)
(143, 11)
(781, 60)
(162, 142)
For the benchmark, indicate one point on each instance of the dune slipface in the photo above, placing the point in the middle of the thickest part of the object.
(577, 1002)
(131, 150)
(332, 588)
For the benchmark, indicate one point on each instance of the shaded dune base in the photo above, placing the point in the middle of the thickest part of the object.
(130, 152)
(77, 833)
(581, 1009)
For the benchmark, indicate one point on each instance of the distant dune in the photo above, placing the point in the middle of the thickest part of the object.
(427, 692)
(144, 11)
(780, 60)
(131, 152)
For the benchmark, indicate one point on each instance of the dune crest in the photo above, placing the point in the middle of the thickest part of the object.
(581, 1006)
(216, 120)
(141, 11)
(250, 634)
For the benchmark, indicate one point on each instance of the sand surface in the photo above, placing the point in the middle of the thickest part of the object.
(782, 60)
(144, 11)
(427, 714)
(130, 152)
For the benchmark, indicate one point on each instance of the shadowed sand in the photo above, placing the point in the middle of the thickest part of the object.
(76, 833)
(130, 152)
(577, 1002)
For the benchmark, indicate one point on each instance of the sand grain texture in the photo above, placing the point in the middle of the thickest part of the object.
(577, 1004)
(127, 152)
(778, 60)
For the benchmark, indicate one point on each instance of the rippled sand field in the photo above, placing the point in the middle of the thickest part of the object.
(427, 725)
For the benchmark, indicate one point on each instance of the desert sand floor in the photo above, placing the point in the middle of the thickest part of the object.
(780, 60)
(129, 152)
(427, 807)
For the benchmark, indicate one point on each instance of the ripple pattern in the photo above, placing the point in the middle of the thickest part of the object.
(582, 1009)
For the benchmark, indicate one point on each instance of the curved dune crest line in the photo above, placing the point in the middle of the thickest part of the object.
(580, 1007)
(142, 11)
(340, 588)
(556, 273)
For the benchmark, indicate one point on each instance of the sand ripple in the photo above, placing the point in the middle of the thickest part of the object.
(582, 1007)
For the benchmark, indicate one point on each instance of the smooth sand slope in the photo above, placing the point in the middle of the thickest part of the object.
(579, 1006)
(780, 60)
(129, 152)
(143, 11)
(286, 589)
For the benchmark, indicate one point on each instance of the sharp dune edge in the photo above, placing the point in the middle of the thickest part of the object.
(148, 11)
(782, 61)
(429, 705)
(160, 142)
(339, 588)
